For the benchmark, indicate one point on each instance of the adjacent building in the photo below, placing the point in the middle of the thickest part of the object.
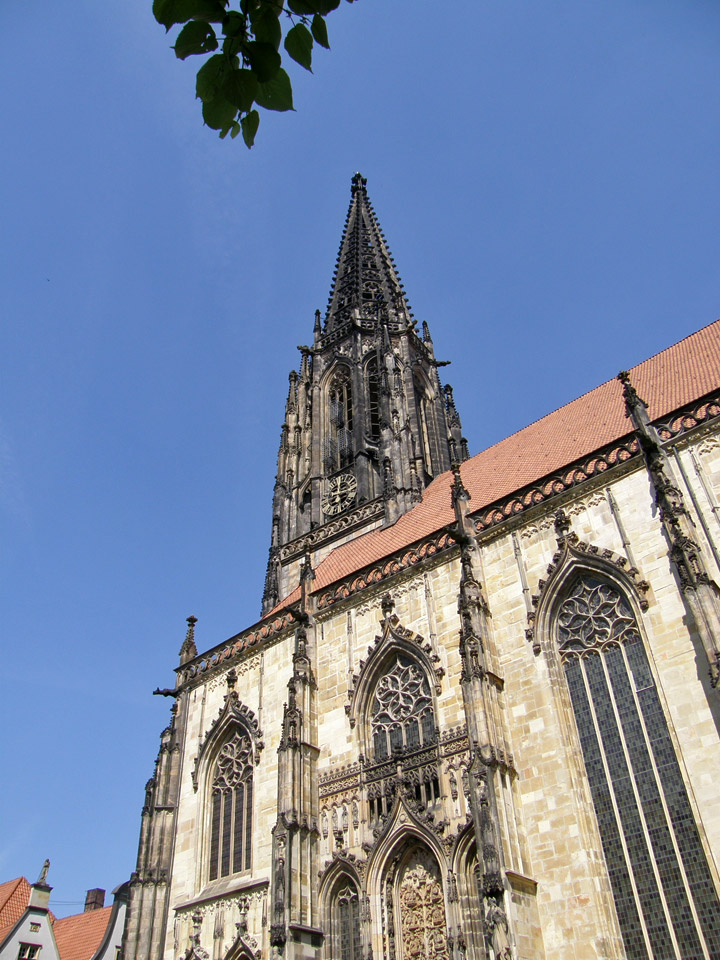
(30, 931)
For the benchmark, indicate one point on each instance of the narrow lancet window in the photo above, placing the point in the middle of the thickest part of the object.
(231, 808)
(345, 923)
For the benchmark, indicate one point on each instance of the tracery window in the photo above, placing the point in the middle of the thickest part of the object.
(231, 808)
(402, 724)
(339, 450)
(345, 923)
(402, 711)
(666, 902)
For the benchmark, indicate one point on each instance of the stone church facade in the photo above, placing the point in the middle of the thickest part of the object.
(480, 715)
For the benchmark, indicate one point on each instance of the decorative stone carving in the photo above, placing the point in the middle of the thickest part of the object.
(422, 909)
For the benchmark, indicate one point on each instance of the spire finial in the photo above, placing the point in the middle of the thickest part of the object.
(458, 489)
(188, 650)
(359, 183)
(44, 872)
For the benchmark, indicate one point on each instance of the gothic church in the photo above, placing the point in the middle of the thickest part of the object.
(479, 716)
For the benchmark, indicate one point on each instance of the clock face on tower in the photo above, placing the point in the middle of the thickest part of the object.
(340, 494)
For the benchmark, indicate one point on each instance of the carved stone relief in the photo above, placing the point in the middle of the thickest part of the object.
(422, 910)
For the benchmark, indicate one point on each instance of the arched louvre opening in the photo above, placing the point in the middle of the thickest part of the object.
(345, 936)
(373, 394)
(665, 898)
(339, 447)
(231, 796)
(421, 405)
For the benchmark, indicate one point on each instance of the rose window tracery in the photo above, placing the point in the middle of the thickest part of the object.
(402, 714)
(593, 615)
(402, 728)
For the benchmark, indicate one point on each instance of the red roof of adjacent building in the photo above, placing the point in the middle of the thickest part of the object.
(14, 896)
(669, 380)
(78, 937)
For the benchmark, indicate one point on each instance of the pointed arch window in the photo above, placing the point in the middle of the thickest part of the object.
(339, 447)
(231, 797)
(345, 936)
(666, 901)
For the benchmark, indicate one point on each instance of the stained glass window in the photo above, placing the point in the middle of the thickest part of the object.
(666, 902)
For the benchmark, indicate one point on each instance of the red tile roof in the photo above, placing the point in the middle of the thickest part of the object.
(79, 936)
(14, 896)
(669, 380)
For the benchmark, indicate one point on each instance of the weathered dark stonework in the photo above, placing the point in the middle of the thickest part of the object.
(385, 434)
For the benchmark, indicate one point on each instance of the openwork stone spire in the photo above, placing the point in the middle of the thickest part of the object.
(366, 282)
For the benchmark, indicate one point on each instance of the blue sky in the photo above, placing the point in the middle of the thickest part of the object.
(547, 177)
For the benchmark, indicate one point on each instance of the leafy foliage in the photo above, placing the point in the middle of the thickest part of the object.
(247, 71)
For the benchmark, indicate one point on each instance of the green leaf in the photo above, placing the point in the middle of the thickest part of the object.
(219, 113)
(195, 37)
(299, 44)
(210, 78)
(324, 7)
(249, 126)
(264, 59)
(319, 31)
(266, 26)
(234, 24)
(170, 12)
(239, 88)
(235, 130)
(303, 8)
(275, 94)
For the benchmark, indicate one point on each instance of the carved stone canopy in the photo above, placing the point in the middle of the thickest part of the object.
(232, 714)
(393, 636)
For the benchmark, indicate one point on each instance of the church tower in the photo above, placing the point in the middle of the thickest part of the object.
(368, 423)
